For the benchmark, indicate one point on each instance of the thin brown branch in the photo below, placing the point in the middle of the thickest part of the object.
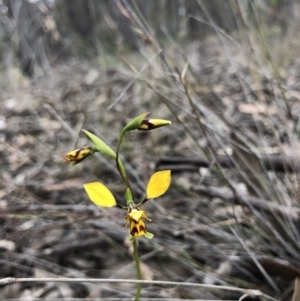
(9, 280)
(280, 163)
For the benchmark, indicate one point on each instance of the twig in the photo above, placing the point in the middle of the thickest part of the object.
(64, 124)
(9, 280)
(279, 163)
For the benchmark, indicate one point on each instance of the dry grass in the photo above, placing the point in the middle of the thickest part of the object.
(231, 95)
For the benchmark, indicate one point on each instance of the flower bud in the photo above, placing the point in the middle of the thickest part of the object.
(151, 124)
(79, 155)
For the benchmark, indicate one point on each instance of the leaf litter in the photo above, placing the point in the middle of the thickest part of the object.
(49, 227)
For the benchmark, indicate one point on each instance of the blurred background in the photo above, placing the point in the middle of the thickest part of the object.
(226, 73)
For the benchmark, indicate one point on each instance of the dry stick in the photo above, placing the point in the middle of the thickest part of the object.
(61, 121)
(9, 280)
(279, 163)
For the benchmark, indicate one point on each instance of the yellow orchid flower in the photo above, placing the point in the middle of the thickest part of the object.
(134, 218)
(158, 184)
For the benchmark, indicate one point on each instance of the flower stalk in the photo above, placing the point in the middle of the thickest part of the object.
(138, 270)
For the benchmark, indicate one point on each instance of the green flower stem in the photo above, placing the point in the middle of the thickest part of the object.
(120, 165)
(138, 271)
(118, 161)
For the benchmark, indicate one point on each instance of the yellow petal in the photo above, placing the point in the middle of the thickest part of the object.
(136, 214)
(158, 184)
(99, 194)
(137, 228)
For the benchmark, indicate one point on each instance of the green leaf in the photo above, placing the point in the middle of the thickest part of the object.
(149, 235)
(131, 238)
(101, 146)
(134, 124)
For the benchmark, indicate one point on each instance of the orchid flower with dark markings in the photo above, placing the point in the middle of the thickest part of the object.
(158, 184)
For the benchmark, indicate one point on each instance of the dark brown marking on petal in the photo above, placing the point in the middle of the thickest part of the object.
(134, 231)
(142, 229)
(149, 125)
(77, 153)
(74, 157)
